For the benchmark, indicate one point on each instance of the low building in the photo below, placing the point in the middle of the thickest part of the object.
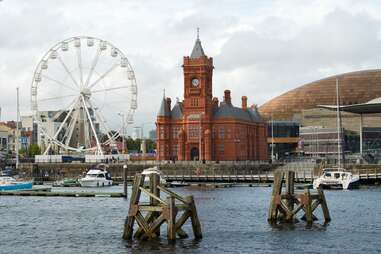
(321, 142)
(284, 135)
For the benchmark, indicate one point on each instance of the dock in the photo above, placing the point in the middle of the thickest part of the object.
(42, 193)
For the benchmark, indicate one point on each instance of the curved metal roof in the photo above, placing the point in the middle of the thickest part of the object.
(370, 107)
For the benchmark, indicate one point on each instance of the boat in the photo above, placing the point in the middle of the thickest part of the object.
(8, 183)
(153, 170)
(337, 178)
(67, 182)
(96, 177)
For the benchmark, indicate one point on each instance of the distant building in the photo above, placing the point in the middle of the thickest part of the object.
(201, 127)
(6, 138)
(285, 137)
(319, 141)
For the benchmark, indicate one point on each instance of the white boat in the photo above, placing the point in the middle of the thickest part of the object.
(96, 177)
(336, 178)
(8, 183)
(153, 170)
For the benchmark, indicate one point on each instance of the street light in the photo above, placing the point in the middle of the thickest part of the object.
(200, 137)
(123, 130)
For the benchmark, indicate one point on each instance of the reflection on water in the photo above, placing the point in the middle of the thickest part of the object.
(234, 220)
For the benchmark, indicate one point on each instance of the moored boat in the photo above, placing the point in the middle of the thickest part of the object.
(153, 170)
(336, 179)
(9, 184)
(96, 177)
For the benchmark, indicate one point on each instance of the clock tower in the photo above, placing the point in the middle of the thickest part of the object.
(198, 74)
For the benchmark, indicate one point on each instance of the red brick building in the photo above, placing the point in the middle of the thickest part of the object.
(200, 127)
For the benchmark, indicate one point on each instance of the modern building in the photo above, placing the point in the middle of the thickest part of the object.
(355, 87)
(202, 128)
(283, 138)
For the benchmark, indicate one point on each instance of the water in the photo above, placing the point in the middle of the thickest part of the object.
(233, 221)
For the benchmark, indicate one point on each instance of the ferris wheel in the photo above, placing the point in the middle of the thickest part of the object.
(80, 88)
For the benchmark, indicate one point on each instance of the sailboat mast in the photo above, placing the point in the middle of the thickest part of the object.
(339, 148)
(272, 138)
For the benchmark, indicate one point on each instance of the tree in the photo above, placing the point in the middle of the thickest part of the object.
(34, 149)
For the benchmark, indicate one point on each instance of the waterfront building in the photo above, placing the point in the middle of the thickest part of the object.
(202, 128)
(284, 136)
(322, 142)
(303, 105)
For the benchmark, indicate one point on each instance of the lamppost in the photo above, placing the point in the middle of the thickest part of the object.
(123, 131)
(200, 137)
(17, 128)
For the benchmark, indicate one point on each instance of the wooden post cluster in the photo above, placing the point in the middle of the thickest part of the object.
(285, 206)
(174, 210)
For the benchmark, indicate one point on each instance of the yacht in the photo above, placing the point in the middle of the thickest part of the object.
(96, 177)
(336, 178)
(153, 170)
(8, 183)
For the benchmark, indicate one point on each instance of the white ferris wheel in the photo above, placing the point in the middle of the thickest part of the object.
(80, 88)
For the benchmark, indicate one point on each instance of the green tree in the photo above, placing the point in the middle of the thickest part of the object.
(34, 149)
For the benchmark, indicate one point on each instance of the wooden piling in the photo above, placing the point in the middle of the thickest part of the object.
(150, 216)
(285, 206)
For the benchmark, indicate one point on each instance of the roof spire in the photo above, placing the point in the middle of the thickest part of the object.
(164, 109)
(197, 51)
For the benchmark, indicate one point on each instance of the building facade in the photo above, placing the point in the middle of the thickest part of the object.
(202, 128)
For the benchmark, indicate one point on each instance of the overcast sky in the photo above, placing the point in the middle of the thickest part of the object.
(260, 48)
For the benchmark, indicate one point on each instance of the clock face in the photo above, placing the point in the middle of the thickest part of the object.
(195, 82)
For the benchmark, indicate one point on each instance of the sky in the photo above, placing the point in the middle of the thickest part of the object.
(261, 49)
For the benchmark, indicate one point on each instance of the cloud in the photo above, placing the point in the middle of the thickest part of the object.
(260, 48)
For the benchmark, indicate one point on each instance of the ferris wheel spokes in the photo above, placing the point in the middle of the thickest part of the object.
(103, 75)
(57, 97)
(102, 122)
(58, 82)
(67, 70)
(109, 89)
(79, 60)
(93, 64)
(70, 70)
(62, 124)
(99, 148)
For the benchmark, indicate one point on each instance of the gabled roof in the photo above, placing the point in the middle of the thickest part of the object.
(164, 110)
(177, 111)
(197, 51)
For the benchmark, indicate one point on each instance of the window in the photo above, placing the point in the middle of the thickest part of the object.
(193, 131)
(194, 102)
(162, 133)
(221, 133)
(221, 149)
(175, 132)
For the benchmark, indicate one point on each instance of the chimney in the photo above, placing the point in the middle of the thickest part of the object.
(244, 102)
(169, 103)
(227, 98)
(215, 102)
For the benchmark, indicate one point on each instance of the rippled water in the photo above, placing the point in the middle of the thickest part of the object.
(233, 221)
